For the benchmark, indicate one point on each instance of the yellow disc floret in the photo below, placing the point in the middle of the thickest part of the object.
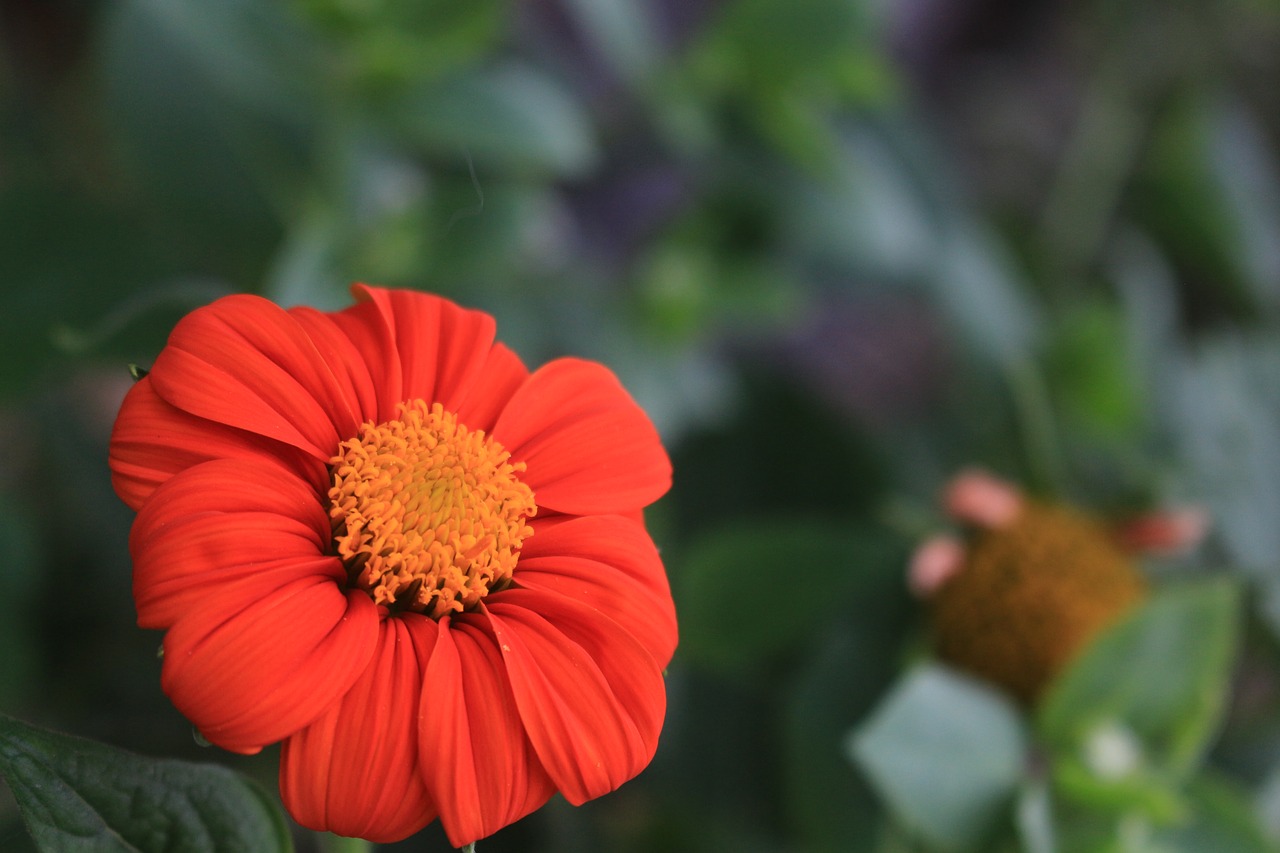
(428, 515)
(1031, 595)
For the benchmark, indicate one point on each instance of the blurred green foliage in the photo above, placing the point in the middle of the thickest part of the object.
(838, 249)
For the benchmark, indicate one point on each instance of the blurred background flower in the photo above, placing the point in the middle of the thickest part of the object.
(1032, 586)
(838, 249)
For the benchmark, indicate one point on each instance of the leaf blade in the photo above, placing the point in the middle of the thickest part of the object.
(79, 795)
(946, 753)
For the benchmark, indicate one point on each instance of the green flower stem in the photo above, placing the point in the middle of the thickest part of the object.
(330, 843)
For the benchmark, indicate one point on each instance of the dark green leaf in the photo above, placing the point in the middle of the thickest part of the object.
(828, 801)
(212, 108)
(747, 595)
(1180, 201)
(82, 282)
(767, 44)
(79, 795)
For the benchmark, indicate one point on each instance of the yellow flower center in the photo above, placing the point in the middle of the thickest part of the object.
(428, 515)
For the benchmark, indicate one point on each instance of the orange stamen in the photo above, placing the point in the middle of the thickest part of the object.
(428, 515)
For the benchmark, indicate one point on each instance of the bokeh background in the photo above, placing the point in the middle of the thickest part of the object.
(838, 249)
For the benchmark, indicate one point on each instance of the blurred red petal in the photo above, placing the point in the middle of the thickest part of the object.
(590, 449)
(982, 499)
(934, 562)
(610, 564)
(354, 771)
(248, 673)
(476, 758)
(591, 697)
(1164, 533)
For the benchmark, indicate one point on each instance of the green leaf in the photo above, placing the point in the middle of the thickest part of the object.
(979, 286)
(212, 109)
(748, 595)
(1137, 792)
(1161, 673)
(946, 753)
(865, 215)
(1210, 192)
(1090, 369)
(852, 666)
(79, 795)
(1212, 815)
(1223, 821)
(874, 215)
(1242, 160)
(773, 44)
(622, 33)
(512, 116)
(252, 53)
(386, 45)
(1224, 415)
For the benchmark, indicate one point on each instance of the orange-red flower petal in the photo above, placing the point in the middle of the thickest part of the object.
(590, 449)
(351, 371)
(591, 697)
(440, 346)
(354, 771)
(245, 362)
(257, 539)
(475, 755)
(248, 672)
(502, 374)
(553, 683)
(610, 564)
(152, 440)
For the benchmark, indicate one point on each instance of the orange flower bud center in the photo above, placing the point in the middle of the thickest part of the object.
(428, 515)
(1031, 595)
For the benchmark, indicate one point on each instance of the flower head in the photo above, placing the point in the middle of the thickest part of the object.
(1017, 598)
(374, 535)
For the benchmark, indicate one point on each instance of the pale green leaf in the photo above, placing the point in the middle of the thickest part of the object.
(946, 753)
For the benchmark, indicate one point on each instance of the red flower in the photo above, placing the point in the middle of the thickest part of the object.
(376, 536)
